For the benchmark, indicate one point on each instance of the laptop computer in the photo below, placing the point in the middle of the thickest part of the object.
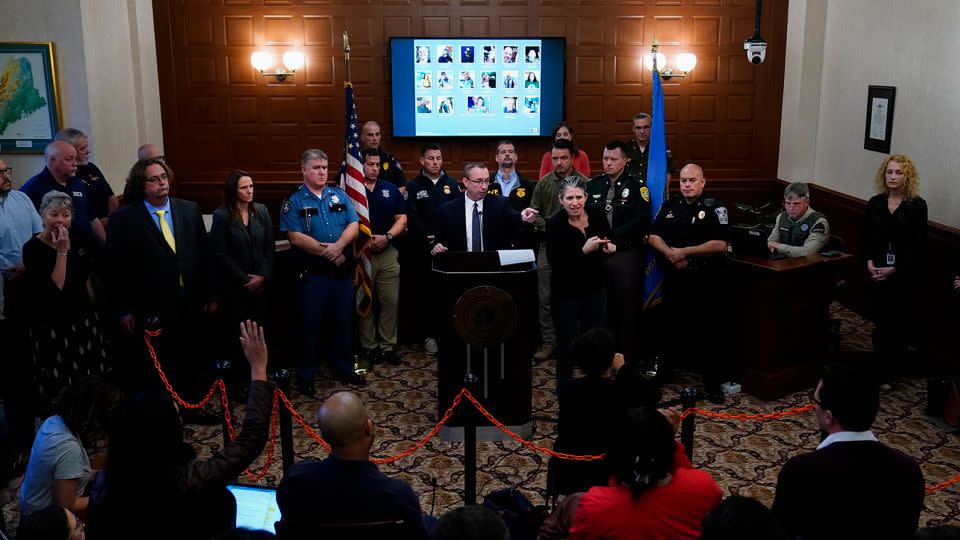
(256, 506)
(751, 241)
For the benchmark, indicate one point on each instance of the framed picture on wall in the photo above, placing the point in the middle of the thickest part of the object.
(877, 133)
(29, 105)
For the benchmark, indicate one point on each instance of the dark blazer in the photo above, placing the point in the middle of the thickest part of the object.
(857, 489)
(500, 224)
(238, 250)
(145, 272)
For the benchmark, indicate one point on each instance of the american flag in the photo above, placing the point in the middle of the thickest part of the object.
(351, 181)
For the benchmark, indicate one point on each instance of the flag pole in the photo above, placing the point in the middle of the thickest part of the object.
(346, 55)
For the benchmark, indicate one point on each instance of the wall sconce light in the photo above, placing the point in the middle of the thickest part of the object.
(683, 62)
(292, 61)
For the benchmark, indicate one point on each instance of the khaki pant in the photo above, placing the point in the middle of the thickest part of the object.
(547, 332)
(385, 278)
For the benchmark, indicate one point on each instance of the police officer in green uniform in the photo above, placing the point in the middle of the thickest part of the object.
(390, 169)
(690, 236)
(625, 201)
(638, 148)
(799, 229)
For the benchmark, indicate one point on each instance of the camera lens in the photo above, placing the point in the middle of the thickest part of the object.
(756, 58)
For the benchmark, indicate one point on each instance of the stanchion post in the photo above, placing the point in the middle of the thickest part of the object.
(223, 370)
(688, 400)
(282, 377)
(469, 447)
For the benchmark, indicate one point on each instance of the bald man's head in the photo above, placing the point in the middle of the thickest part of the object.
(61, 158)
(148, 151)
(691, 181)
(344, 421)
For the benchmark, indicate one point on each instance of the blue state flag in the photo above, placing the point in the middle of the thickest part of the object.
(657, 185)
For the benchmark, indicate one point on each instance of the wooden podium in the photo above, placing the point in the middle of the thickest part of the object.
(781, 316)
(486, 325)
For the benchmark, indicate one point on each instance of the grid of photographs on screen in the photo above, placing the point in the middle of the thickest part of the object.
(477, 79)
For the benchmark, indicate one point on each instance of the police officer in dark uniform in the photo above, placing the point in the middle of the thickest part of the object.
(390, 169)
(625, 201)
(690, 237)
(638, 148)
(425, 194)
(321, 224)
(102, 200)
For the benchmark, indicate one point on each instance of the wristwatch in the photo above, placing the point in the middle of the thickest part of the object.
(389, 237)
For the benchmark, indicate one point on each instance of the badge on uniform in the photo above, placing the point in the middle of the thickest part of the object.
(701, 215)
(446, 190)
(669, 215)
(625, 193)
(596, 196)
(77, 194)
(804, 227)
(385, 193)
(334, 199)
(386, 166)
(422, 194)
(645, 193)
(521, 192)
(285, 207)
(722, 214)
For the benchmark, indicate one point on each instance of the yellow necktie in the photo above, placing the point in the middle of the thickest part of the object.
(168, 236)
(167, 233)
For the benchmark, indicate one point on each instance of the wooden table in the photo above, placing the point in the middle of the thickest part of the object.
(780, 309)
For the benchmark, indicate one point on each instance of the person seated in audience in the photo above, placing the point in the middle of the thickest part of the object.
(154, 486)
(852, 486)
(51, 523)
(470, 523)
(742, 518)
(799, 230)
(64, 328)
(59, 469)
(346, 487)
(654, 491)
(13, 465)
(590, 407)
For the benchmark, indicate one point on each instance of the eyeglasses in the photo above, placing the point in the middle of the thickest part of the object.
(479, 182)
(158, 178)
(8, 171)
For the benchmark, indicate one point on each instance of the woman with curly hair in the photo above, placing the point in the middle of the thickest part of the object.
(895, 233)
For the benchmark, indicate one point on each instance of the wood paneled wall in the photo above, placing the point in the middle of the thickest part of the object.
(220, 114)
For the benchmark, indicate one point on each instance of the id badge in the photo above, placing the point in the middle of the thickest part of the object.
(891, 258)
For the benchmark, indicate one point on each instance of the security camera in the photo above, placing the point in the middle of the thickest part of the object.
(756, 49)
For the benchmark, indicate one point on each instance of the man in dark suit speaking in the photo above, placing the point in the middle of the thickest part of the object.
(476, 220)
(852, 486)
(157, 249)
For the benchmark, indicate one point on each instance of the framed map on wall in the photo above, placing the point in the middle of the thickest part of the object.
(29, 105)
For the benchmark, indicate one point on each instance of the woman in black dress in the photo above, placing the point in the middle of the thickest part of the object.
(895, 234)
(576, 245)
(242, 242)
(64, 328)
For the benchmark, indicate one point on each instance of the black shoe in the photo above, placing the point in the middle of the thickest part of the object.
(199, 417)
(390, 357)
(353, 378)
(306, 388)
(372, 356)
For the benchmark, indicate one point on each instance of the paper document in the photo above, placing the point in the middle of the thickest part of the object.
(515, 256)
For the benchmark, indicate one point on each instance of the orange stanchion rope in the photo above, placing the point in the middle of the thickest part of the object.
(747, 416)
(486, 414)
(279, 396)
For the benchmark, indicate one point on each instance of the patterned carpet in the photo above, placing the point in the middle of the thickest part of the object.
(744, 457)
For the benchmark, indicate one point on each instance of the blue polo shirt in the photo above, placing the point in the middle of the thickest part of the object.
(44, 182)
(19, 221)
(384, 202)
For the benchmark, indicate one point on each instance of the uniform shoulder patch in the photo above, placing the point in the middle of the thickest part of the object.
(818, 228)
(645, 193)
(285, 206)
(722, 214)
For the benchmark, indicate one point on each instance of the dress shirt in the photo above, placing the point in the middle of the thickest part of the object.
(509, 183)
(468, 213)
(19, 221)
(848, 436)
(168, 217)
